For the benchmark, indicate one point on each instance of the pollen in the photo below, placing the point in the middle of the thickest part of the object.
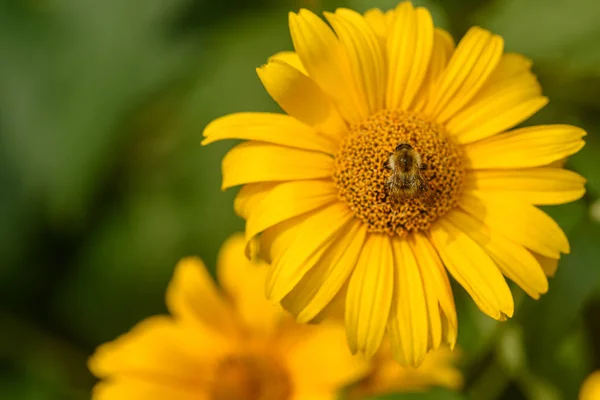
(362, 172)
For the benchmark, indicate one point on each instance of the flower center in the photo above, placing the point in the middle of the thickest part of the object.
(250, 377)
(398, 172)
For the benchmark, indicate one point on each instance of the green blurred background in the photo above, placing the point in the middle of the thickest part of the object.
(104, 184)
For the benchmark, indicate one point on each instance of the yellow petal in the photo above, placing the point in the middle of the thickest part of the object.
(321, 284)
(192, 296)
(311, 239)
(369, 295)
(271, 128)
(365, 56)
(409, 48)
(531, 185)
(496, 113)
(549, 265)
(324, 60)
(376, 19)
(160, 347)
(438, 369)
(335, 309)
(244, 281)
(252, 162)
(443, 47)
(475, 58)
(291, 58)
(510, 65)
(408, 326)
(319, 361)
(276, 240)
(287, 200)
(527, 147)
(473, 269)
(515, 262)
(147, 389)
(250, 196)
(590, 389)
(301, 97)
(510, 96)
(522, 223)
(442, 326)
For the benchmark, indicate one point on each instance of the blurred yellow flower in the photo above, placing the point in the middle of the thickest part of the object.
(590, 389)
(230, 345)
(394, 166)
(387, 376)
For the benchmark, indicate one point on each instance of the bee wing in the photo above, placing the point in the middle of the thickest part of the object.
(426, 192)
(423, 185)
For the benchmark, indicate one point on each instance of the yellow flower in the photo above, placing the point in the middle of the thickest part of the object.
(387, 376)
(346, 208)
(233, 345)
(590, 389)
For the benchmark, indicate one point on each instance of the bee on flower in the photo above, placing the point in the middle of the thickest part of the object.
(396, 163)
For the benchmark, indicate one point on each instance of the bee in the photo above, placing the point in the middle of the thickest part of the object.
(406, 180)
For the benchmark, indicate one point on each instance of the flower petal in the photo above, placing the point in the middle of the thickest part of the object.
(159, 347)
(531, 185)
(244, 281)
(443, 47)
(365, 56)
(496, 113)
(251, 162)
(271, 128)
(320, 285)
(319, 360)
(376, 19)
(475, 58)
(291, 58)
(147, 389)
(527, 147)
(287, 200)
(311, 239)
(193, 297)
(442, 326)
(549, 265)
(369, 295)
(324, 59)
(510, 96)
(276, 240)
(409, 48)
(590, 388)
(510, 65)
(408, 326)
(473, 269)
(515, 262)
(301, 97)
(250, 196)
(523, 223)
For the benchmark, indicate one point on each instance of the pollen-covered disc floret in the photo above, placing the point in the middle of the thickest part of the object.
(362, 171)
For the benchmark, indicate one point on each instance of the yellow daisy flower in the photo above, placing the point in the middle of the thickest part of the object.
(387, 376)
(590, 389)
(394, 166)
(233, 345)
